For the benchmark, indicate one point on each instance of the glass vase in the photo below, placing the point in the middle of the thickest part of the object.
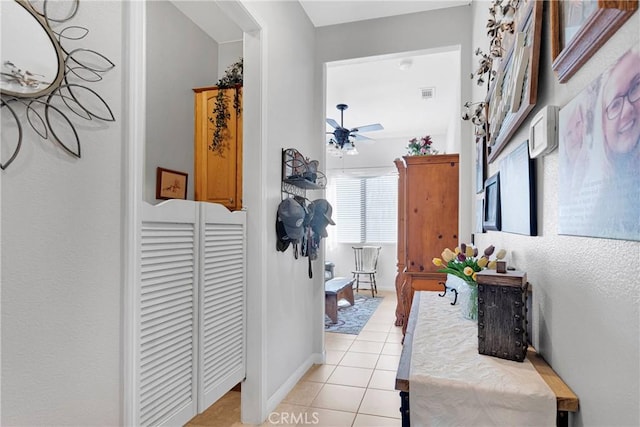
(469, 305)
(467, 298)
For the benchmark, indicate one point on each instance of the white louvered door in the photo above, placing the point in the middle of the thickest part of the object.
(191, 309)
(222, 299)
(168, 317)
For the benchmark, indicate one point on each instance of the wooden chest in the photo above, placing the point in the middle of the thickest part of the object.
(502, 314)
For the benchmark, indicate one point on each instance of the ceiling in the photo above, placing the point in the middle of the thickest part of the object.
(381, 90)
(376, 89)
(213, 21)
(330, 12)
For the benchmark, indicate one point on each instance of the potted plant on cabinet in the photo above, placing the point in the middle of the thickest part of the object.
(232, 79)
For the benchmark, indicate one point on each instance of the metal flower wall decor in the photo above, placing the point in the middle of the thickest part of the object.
(42, 82)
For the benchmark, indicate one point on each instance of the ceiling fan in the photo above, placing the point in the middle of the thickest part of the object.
(341, 135)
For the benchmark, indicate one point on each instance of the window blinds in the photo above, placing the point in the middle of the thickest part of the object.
(366, 209)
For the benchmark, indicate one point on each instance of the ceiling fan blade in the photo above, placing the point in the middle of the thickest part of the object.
(368, 128)
(333, 123)
(359, 137)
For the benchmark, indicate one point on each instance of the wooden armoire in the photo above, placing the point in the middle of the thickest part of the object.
(427, 223)
(218, 171)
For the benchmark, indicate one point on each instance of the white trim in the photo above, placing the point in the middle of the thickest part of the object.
(1, 376)
(134, 114)
(254, 389)
(290, 383)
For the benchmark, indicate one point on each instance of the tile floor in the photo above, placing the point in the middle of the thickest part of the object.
(354, 388)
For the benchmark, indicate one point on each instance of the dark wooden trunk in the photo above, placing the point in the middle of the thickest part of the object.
(502, 314)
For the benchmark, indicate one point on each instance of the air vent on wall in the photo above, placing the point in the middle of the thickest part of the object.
(427, 92)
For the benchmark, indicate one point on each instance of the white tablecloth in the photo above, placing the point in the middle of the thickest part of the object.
(451, 384)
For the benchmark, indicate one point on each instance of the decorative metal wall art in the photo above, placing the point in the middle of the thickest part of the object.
(41, 81)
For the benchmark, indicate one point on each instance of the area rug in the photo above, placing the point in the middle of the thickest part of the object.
(352, 318)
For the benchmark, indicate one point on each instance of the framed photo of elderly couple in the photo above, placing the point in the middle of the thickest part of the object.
(580, 27)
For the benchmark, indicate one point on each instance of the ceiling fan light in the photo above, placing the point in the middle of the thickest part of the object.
(349, 148)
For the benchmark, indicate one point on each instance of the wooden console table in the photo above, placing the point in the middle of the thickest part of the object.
(566, 400)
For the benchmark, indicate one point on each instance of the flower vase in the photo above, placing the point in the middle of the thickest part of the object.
(467, 296)
(469, 301)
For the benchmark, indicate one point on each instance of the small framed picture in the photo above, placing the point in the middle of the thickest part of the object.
(479, 214)
(171, 184)
(491, 216)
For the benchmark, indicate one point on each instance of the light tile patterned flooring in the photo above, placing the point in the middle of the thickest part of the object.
(354, 388)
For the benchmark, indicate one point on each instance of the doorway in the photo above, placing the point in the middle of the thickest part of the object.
(253, 399)
(411, 94)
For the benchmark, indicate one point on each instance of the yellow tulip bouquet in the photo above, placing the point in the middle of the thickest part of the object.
(464, 262)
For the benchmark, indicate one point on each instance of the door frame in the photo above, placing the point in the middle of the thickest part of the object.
(254, 393)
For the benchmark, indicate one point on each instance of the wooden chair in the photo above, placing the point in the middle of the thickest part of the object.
(366, 258)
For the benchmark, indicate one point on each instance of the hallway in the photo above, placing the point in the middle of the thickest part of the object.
(354, 388)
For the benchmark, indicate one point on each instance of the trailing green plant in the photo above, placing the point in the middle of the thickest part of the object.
(232, 79)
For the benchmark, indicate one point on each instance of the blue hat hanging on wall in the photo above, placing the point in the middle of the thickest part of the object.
(292, 215)
(321, 217)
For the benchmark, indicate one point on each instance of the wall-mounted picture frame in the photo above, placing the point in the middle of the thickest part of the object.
(580, 27)
(491, 210)
(171, 184)
(514, 91)
(480, 161)
(517, 192)
(599, 155)
(479, 214)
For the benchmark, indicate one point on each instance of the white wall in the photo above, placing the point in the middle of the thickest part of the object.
(342, 256)
(381, 154)
(406, 33)
(293, 326)
(228, 53)
(61, 276)
(585, 290)
(180, 57)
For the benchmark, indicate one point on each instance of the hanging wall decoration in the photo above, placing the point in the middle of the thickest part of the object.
(514, 90)
(491, 207)
(580, 28)
(517, 192)
(599, 155)
(42, 80)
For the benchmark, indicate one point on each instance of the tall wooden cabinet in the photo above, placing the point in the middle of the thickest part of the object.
(427, 221)
(218, 172)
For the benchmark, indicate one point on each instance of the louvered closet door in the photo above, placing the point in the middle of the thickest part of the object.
(168, 314)
(222, 297)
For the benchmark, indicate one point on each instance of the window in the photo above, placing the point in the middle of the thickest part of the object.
(367, 209)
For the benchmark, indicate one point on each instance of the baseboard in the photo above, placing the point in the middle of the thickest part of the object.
(287, 386)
